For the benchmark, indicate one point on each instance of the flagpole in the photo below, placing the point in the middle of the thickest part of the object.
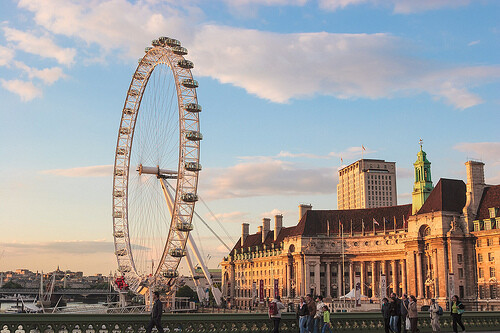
(384, 225)
(343, 262)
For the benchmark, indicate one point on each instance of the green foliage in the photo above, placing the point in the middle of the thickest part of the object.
(186, 291)
(12, 285)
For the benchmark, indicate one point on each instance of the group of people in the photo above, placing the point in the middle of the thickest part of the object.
(401, 315)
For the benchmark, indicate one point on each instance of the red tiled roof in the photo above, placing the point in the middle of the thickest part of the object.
(490, 199)
(448, 195)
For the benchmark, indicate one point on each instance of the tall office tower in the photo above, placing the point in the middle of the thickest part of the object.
(367, 183)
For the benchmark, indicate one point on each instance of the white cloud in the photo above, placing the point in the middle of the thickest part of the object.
(488, 152)
(73, 246)
(24, 89)
(6, 55)
(399, 6)
(267, 177)
(82, 172)
(347, 154)
(474, 42)
(230, 217)
(273, 66)
(47, 75)
(41, 46)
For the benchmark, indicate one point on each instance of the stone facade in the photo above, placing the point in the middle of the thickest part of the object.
(446, 247)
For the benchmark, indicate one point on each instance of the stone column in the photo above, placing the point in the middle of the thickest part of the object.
(317, 280)
(403, 275)
(420, 277)
(394, 277)
(328, 279)
(288, 278)
(307, 280)
(435, 273)
(351, 275)
(340, 282)
(374, 278)
(301, 277)
(363, 273)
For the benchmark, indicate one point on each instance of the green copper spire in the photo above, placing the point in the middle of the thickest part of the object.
(423, 183)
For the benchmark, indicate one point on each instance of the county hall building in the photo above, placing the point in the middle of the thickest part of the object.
(443, 243)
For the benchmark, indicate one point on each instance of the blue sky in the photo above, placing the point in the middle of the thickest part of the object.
(288, 87)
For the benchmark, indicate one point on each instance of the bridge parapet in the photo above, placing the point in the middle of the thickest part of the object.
(204, 323)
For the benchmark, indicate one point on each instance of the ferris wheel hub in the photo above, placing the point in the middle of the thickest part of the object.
(160, 173)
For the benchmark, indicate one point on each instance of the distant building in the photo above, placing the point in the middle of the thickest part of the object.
(443, 244)
(367, 183)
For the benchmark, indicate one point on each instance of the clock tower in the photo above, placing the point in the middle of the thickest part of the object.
(423, 183)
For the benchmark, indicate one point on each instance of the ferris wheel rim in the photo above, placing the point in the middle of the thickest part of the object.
(167, 52)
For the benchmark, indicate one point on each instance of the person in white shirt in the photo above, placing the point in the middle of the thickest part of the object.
(318, 317)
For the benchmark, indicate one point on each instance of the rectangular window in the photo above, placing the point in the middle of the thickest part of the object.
(461, 291)
(489, 241)
(481, 273)
(460, 273)
(478, 243)
(491, 257)
(479, 257)
(492, 272)
(460, 258)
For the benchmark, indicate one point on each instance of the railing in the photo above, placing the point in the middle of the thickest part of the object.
(215, 323)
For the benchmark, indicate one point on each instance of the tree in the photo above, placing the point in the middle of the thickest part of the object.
(186, 291)
(12, 285)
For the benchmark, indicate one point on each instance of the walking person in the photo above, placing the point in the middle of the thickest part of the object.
(275, 307)
(326, 320)
(436, 312)
(413, 314)
(311, 305)
(318, 318)
(386, 314)
(156, 312)
(302, 314)
(395, 312)
(404, 311)
(457, 308)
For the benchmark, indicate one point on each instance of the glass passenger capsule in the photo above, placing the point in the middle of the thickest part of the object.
(125, 131)
(118, 194)
(121, 252)
(184, 226)
(169, 41)
(189, 197)
(170, 273)
(178, 253)
(194, 136)
(124, 268)
(147, 49)
(155, 42)
(190, 83)
(134, 92)
(119, 172)
(128, 111)
(186, 64)
(192, 107)
(192, 166)
(119, 234)
(121, 151)
(118, 214)
(179, 50)
(139, 76)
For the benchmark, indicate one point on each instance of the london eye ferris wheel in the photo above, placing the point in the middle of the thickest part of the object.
(156, 167)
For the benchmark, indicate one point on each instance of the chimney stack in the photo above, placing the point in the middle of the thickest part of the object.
(475, 187)
(266, 226)
(244, 232)
(278, 224)
(303, 208)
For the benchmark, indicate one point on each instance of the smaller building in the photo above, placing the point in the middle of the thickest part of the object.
(367, 183)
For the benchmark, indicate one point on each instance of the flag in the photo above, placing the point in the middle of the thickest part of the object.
(375, 222)
(363, 147)
(341, 160)
(362, 227)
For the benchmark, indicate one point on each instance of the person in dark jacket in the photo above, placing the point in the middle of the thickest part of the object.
(156, 312)
(456, 310)
(386, 314)
(404, 310)
(302, 314)
(395, 311)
